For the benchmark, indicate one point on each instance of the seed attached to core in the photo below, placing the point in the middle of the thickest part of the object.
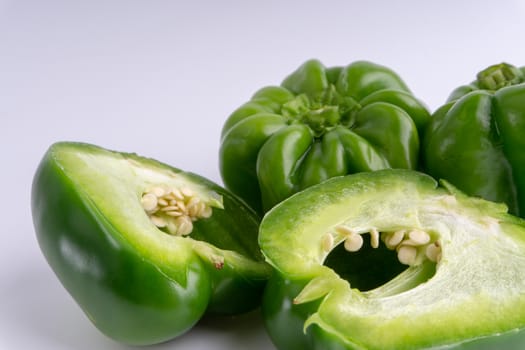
(374, 238)
(158, 191)
(353, 242)
(158, 221)
(433, 252)
(411, 245)
(343, 230)
(419, 237)
(392, 239)
(174, 209)
(407, 254)
(149, 202)
(327, 242)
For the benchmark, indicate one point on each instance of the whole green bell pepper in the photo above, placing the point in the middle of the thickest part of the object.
(320, 123)
(145, 249)
(459, 280)
(476, 141)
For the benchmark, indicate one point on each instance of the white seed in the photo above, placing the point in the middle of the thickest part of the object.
(186, 191)
(419, 237)
(409, 242)
(158, 191)
(169, 197)
(374, 238)
(198, 208)
(149, 201)
(179, 208)
(158, 221)
(193, 206)
(353, 242)
(170, 208)
(327, 242)
(394, 239)
(343, 230)
(172, 227)
(177, 194)
(205, 212)
(407, 254)
(433, 252)
(184, 225)
(193, 201)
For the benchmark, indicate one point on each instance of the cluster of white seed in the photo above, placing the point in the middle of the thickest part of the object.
(410, 245)
(174, 209)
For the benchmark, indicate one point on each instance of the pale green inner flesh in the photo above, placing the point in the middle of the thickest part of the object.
(478, 287)
(113, 186)
(479, 281)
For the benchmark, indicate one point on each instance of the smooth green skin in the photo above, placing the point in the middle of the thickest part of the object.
(137, 284)
(476, 142)
(266, 156)
(472, 299)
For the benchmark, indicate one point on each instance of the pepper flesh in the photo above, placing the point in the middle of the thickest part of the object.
(320, 123)
(475, 141)
(136, 283)
(470, 298)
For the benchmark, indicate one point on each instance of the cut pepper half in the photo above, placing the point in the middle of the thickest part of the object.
(453, 267)
(145, 249)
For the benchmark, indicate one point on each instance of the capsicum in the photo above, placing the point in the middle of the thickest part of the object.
(145, 249)
(319, 123)
(393, 259)
(476, 139)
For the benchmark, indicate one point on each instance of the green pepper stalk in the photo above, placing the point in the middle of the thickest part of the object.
(320, 123)
(391, 260)
(145, 249)
(476, 140)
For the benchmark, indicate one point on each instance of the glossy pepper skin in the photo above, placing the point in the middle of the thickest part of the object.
(476, 140)
(137, 283)
(319, 123)
(462, 280)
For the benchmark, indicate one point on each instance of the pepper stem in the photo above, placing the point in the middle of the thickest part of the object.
(321, 111)
(498, 76)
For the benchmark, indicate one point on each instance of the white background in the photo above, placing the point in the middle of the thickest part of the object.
(160, 77)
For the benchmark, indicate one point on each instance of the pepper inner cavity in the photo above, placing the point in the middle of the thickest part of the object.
(173, 209)
(413, 246)
(368, 258)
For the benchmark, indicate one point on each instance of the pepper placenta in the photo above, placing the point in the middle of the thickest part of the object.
(145, 249)
(458, 282)
(320, 123)
(476, 140)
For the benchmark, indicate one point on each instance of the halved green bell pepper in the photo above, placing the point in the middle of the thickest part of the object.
(459, 279)
(320, 123)
(145, 249)
(476, 140)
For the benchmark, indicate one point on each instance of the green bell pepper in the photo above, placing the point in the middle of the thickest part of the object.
(145, 249)
(476, 141)
(458, 278)
(320, 123)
